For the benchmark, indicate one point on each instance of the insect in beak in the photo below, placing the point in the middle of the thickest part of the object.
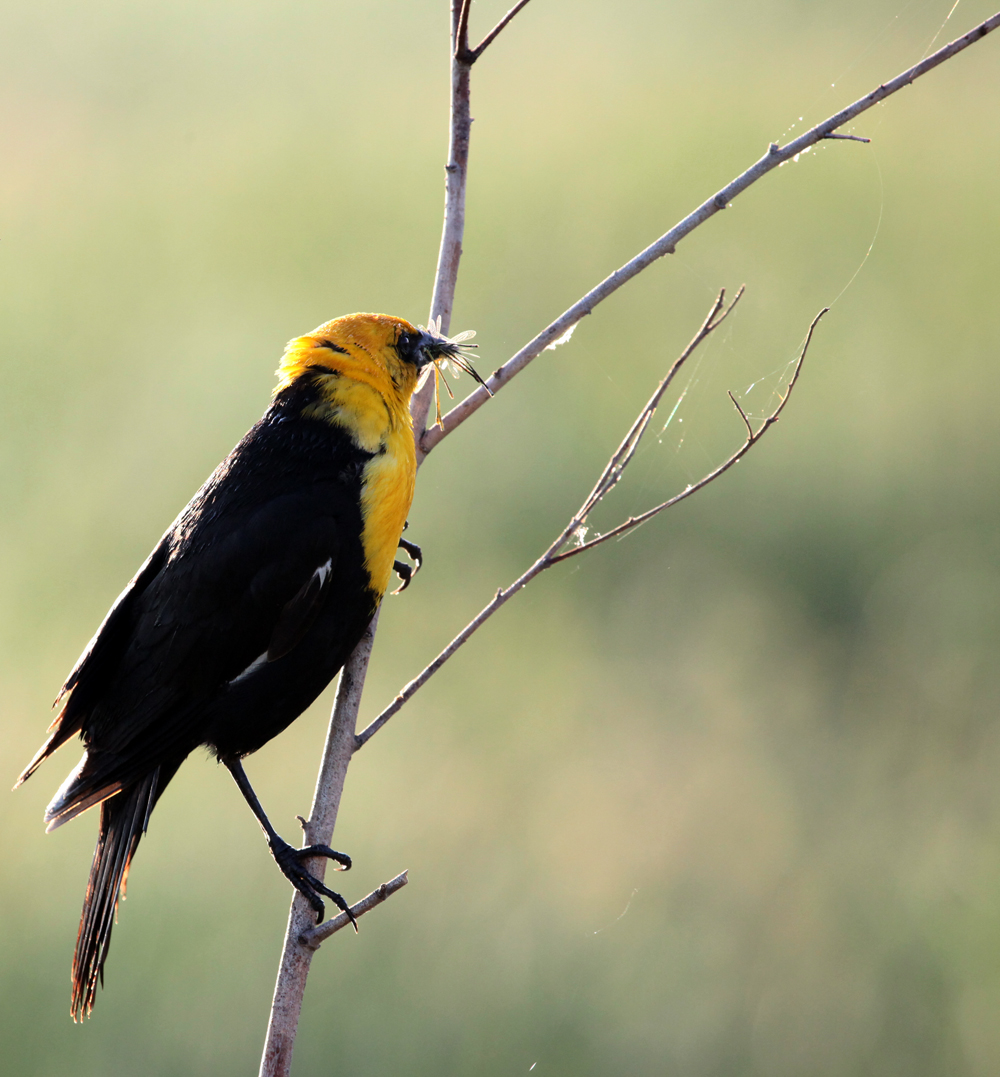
(450, 352)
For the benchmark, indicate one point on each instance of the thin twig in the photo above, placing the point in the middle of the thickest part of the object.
(621, 457)
(743, 414)
(460, 39)
(492, 35)
(634, 521)
(456, 170)
(776, 155)
(321, 932)
(609, 477)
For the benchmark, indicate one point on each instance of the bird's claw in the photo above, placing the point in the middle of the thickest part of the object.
(404, 571)
(290, 860)
(405, 574)
(342, 860)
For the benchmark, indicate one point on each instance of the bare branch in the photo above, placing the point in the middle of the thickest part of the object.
(425, 675)
(460, 24)
(296, 956)
(609, 477)
(321, 932)
(620, 459)
(453, 227)
(743, 414)
(456, 171)
(776, 155)
(494, 33)
(634, 521)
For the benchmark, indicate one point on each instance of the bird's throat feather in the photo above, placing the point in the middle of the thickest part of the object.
(380, 426)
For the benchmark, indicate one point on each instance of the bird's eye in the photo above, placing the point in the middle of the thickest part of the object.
(408, 348)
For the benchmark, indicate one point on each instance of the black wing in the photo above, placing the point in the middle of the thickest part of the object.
(199, 624)
(238, 580)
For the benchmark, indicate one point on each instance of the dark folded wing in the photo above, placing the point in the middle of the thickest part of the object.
(233, 590)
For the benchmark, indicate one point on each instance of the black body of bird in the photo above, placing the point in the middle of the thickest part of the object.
(249, 604)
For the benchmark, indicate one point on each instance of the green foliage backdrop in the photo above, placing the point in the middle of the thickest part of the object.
(765, 725)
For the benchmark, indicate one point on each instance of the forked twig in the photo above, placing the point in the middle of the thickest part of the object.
(470, 56)
(620, 459)
(752, 438)
(608, 479)
(776, 155)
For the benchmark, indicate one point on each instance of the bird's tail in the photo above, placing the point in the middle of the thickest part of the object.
(124, 818)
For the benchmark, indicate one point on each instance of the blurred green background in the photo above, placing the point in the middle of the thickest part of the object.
(721, 799)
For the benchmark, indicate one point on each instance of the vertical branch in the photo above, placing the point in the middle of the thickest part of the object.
(298, 947)
(296, 956)
(456, 171)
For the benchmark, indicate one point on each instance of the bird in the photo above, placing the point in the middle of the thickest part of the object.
(249, 604)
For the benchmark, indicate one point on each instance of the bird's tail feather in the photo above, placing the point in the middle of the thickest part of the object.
(124, 818)
(62, 728)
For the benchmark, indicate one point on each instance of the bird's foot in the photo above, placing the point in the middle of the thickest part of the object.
(404, 571)
(290, 860)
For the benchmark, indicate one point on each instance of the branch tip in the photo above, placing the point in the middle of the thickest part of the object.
(494, 33)
(692, 488)
(315, 936)
(743, 415)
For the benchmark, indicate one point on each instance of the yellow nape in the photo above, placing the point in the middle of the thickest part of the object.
(365, 390)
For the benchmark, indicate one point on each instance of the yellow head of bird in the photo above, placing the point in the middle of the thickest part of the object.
(384, 352)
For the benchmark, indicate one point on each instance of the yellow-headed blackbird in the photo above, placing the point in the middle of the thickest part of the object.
(249, 604)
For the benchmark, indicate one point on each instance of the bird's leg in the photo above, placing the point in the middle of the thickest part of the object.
(290, 859)
(404, 571)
